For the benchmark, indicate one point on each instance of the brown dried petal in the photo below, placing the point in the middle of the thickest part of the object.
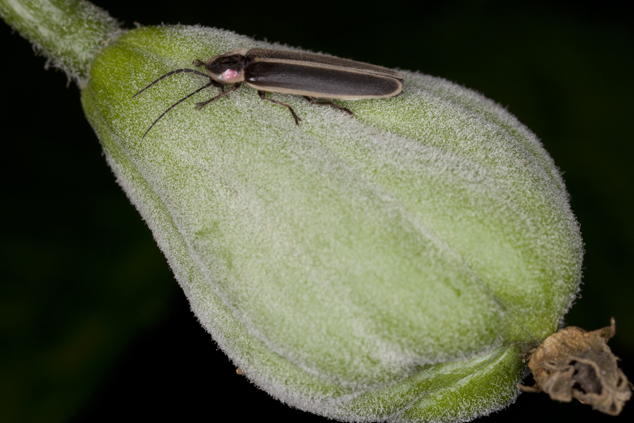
(574, 363)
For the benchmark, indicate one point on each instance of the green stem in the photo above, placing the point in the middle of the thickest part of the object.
(68, 32)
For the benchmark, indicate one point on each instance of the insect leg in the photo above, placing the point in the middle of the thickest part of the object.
(175, 72)
(263, 96)
(207, 85)
(199, 106)
(327, 103)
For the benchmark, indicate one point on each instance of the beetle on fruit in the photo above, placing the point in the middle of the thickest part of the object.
(288, 72)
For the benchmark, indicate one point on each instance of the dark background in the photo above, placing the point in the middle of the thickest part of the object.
(93, 326)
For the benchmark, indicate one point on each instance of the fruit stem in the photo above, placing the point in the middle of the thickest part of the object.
(68, 32)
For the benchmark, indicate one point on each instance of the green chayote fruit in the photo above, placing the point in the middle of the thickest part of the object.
(390, 266)
(393, 266)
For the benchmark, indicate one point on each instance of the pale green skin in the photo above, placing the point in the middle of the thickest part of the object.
(392, 266)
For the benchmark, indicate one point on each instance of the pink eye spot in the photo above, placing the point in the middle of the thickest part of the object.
(230, 74)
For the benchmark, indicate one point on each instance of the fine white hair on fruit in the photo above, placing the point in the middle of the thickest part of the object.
(389, 267)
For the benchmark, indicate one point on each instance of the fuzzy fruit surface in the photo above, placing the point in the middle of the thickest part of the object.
(391, 266)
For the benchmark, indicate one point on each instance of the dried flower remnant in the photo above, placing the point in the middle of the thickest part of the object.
(574, 363)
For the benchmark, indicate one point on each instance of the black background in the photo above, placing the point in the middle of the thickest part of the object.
(93, 327)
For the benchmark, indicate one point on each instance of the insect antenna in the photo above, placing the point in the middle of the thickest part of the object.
(207, 85)
(194, 71)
